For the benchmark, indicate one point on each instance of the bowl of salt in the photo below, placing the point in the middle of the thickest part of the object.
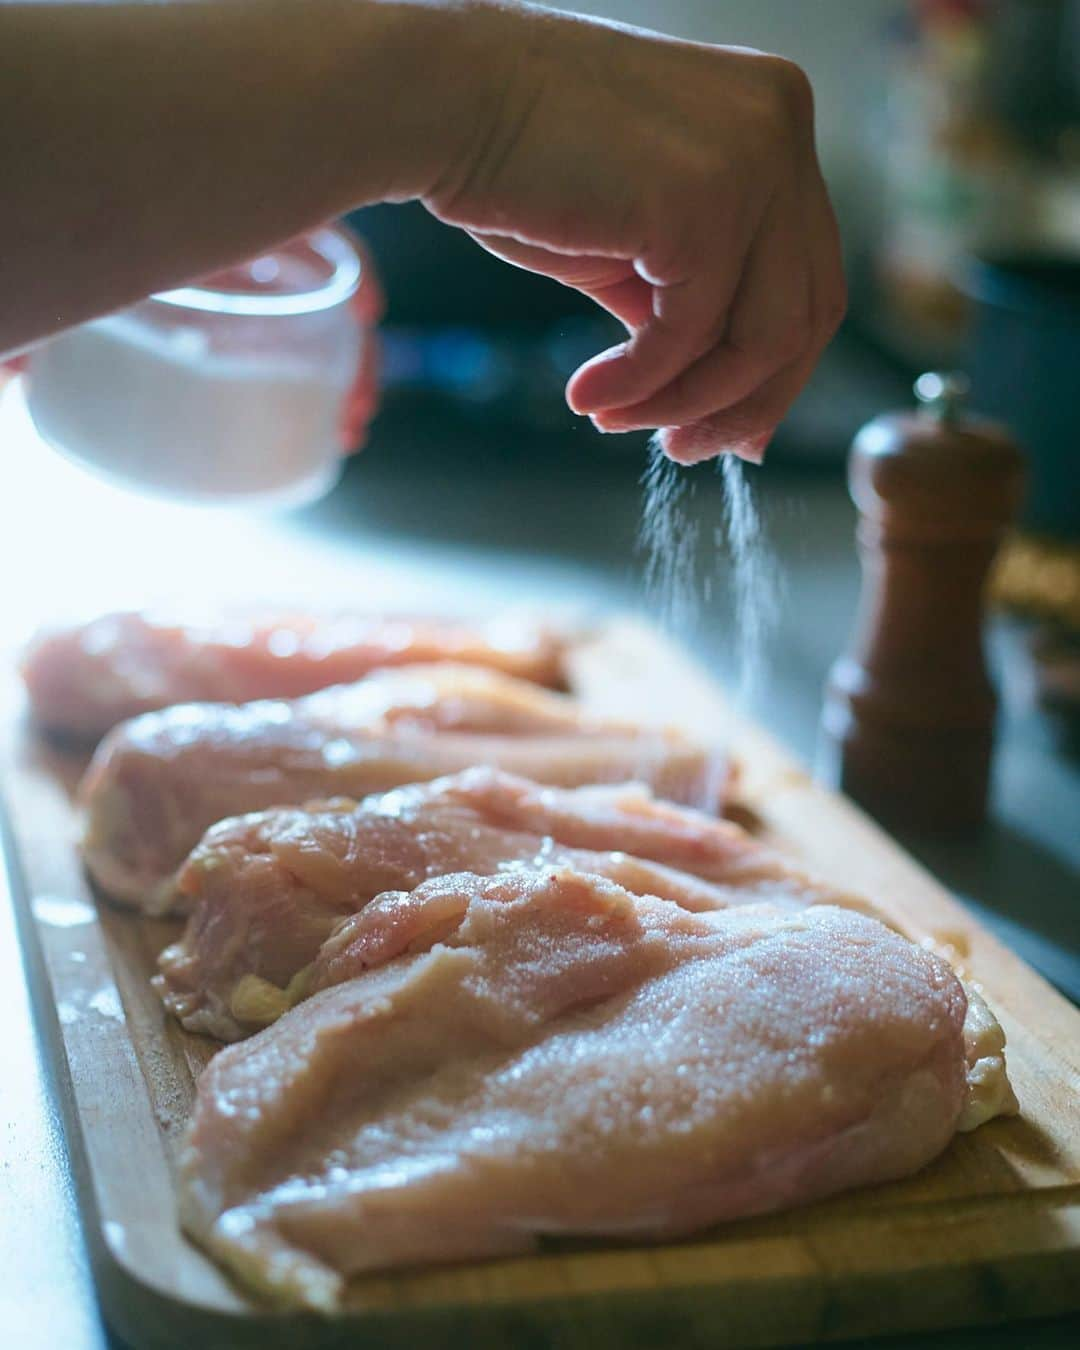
(230, 391)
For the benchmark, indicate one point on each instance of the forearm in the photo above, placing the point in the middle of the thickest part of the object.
(677, 183)
(146, 144)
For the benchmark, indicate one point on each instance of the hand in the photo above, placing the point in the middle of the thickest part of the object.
(676, 184)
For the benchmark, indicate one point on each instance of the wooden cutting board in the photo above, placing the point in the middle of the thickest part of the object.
(989, 1232)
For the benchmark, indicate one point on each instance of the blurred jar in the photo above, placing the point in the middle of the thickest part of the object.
(234, 390)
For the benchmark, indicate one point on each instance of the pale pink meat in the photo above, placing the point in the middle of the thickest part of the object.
(84, 680)
(545, 1054)
(266, 890)
(158, 782)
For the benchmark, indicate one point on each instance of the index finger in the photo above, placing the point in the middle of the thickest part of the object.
(689, 316)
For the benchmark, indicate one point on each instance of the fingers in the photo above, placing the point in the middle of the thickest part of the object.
(736, 389)
(719, 346)
(688, 316)
(770, 325)
(629, 300)
(746, 427)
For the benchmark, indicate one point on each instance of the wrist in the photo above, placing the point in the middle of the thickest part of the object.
(492, 81)
(445, 69)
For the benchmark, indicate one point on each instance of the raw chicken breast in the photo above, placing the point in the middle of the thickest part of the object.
(543, 1053)
(266, 890)
(86, 679)
(156, 783)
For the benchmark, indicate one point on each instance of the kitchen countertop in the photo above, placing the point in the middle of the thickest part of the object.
(440, 514)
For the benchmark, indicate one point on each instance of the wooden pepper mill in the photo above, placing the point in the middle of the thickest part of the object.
(908, 722)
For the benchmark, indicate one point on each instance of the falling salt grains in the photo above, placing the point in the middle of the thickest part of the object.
(679, 578)
(668, 538)
(678, 582)
(755, 581)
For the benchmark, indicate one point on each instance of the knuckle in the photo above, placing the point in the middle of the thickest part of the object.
(794, 90)
(788, 97)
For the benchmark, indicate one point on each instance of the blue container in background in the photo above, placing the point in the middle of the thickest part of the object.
(1024, 362)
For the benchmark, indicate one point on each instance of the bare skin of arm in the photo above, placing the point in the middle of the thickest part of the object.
(676, 183)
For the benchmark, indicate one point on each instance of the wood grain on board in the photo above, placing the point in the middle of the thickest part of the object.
(990, 1231)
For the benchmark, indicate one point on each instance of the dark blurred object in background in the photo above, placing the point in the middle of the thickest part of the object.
(1033, 77)
(490, 343)
(1025, 368)
(492, 375)
(436, 276)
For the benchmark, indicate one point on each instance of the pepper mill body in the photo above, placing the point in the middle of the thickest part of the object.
(908, 722)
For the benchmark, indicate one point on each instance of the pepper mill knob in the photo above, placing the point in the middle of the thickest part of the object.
(943, 395)
(907, 726)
